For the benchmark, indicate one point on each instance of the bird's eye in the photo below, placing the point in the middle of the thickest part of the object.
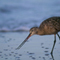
(32, 30)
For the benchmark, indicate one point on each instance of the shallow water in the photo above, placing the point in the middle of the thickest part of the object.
(36, 48)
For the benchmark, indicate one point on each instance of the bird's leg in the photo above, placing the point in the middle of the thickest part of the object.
(54, 43)
(58, 36)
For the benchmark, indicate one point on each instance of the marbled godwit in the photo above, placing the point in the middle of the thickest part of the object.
(47, 27)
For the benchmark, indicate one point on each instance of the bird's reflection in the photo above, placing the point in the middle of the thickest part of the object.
(52, 56)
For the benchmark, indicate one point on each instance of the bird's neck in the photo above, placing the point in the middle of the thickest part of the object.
(40, 32)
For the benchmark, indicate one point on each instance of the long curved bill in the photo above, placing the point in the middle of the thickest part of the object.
(23, 42)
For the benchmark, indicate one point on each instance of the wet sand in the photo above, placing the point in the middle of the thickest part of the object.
(36, 48)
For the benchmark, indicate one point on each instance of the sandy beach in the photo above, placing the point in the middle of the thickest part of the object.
(36, 48)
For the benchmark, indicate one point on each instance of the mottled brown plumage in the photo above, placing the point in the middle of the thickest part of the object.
(50, 25)
(47, 27)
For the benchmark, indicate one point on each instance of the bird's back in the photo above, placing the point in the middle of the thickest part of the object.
(50, 25)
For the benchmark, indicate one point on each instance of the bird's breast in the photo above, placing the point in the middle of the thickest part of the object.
(47, 30)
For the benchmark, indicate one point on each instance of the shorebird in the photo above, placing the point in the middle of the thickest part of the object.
(47, 27)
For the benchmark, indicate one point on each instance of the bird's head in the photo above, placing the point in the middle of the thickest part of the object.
(33, 31)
